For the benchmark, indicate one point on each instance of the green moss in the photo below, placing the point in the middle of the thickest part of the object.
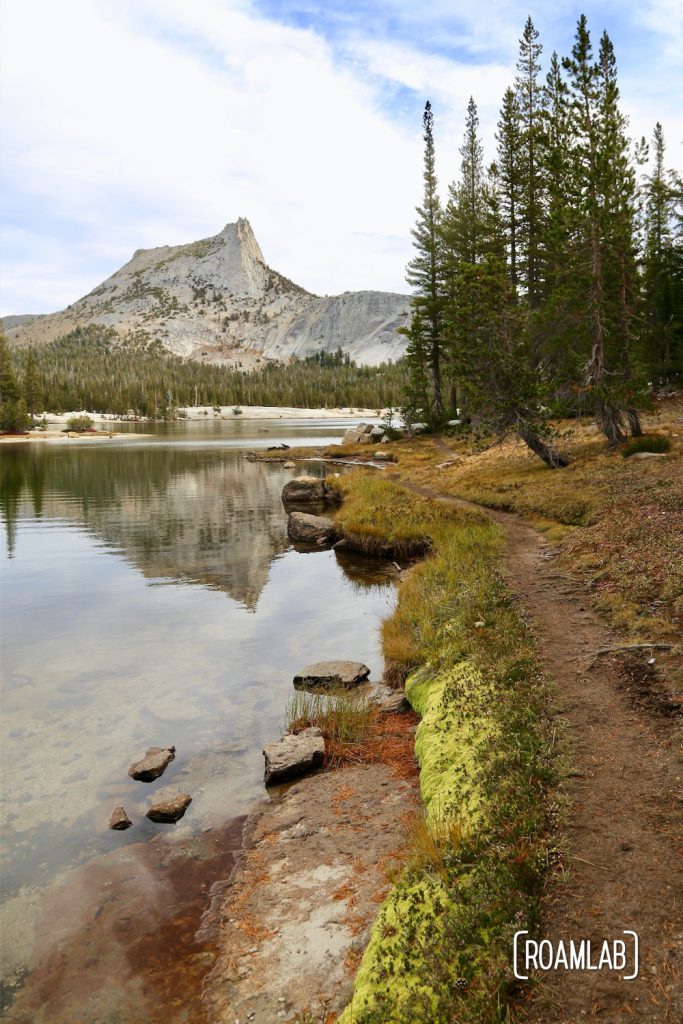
(452, 739)
(440, 949)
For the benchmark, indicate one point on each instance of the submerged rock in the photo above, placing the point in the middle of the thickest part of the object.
(293, 755)
(305, 527)
(153, 764)
(170, 810)
(328, 674)
(119, 819)
(289, 465)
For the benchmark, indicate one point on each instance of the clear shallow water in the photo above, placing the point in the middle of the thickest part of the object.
(150, 597)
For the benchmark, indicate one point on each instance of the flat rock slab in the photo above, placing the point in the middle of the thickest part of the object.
(311, 874)
(293, 755)
(303, 526)
(170, 810)
(119, 819)
(329, 674)
(153, 764)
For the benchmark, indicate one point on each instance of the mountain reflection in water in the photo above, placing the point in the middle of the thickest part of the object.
(117, 635)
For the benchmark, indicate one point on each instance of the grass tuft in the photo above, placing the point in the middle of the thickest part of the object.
(655, 443)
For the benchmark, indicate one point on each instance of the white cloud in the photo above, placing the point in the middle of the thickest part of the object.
(154, 122)
(145, 140)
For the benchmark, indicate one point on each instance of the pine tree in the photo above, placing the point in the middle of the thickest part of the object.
(620, 193)
(415, 405)
(507, 190)
(590, 160)
(425, 270)
(529, 94)
(464, 226)
(13, 413)
(500, 380)
(559, 346)
(32, 387)
(662, 266)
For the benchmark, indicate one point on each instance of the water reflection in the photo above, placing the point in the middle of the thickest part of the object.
(205, 517)
(117, 635)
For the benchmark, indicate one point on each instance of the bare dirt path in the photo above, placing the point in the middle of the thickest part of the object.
(621, 866)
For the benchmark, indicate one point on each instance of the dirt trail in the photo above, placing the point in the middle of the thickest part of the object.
(621, 868)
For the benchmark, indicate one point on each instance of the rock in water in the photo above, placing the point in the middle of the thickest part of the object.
(153, 764)
(325, 675)
(119, 819)
(293, 755)
(311, 529)
(308, 489)
(170, 810)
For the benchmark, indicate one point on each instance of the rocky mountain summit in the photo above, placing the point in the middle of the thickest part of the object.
(217, 300)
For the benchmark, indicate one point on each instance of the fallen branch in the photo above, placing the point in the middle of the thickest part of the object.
(634, 647)
(622, 648)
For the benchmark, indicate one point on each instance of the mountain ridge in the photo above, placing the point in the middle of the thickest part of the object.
(217, 300)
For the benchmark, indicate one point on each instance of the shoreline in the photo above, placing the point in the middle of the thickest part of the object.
(193, 414)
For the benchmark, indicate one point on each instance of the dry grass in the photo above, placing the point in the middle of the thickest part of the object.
(618, 522)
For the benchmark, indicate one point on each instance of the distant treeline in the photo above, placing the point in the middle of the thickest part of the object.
(91, 368)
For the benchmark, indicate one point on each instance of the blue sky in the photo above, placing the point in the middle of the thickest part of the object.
(149, 122)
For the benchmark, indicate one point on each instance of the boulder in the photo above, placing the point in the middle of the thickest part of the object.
(351, 436)
(304, 489)
(119, 819)
(310, 529)
(325, 675)
(153, 764)
(377, 433)
(293, 755)
(366, 439)
(388, 700)
(382, 456)
(169, 810)
(289, 465)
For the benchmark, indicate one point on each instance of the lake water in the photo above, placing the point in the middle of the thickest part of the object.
(150, 597)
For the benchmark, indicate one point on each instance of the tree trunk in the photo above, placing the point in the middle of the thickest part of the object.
(634, 423)
(437, 405)
(550, 456)
(610, 421)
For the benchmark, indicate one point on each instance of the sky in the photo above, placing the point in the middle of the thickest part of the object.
(138, 123)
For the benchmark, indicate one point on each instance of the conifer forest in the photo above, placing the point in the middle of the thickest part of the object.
(550, 282)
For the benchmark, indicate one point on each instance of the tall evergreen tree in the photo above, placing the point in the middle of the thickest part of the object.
(620, 195)
(591, 157)
(663, 265)
(416, 402)
(13, 414)
(464, 226)
(529, 92)
(32, 387)
(425, 270)
(508, 180)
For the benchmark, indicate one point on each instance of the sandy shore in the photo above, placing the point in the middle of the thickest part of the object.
(249, 412)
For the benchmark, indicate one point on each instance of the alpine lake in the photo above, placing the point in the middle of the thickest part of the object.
(150, 597)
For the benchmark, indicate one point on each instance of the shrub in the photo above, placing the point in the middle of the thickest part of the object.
(80, 423)
(647, 443)
(14, 417)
